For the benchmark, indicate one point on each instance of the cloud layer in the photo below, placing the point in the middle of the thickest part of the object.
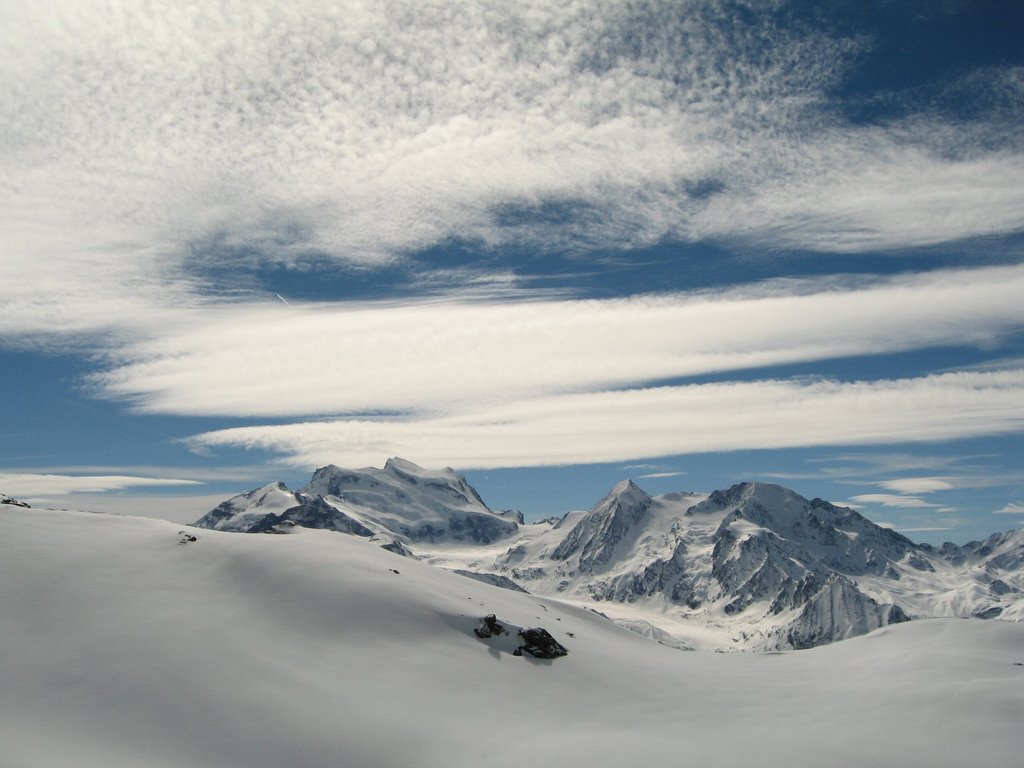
(149, 145)
(443, 358)
(32, 484)
(147, 142)
(616, 426)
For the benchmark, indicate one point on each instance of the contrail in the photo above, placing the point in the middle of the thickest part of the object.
(282, 298)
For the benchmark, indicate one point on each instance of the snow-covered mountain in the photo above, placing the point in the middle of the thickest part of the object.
(123, 647)
(265, 509)
(756, 562)
(402, 501)
(755, 566)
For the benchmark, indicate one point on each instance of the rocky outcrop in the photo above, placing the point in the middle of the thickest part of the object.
(534, 641)
(837, 611)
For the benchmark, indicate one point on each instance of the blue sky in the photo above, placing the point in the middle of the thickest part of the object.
(549, 245)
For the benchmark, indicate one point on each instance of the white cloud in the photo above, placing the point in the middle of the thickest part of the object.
(893, 500)
(1013, 508)
(437, 357)
(923, 529)
(617, 426)
(918, 484)
(154, 474)
(959, 482)
(30, 484)
(144, 142)
(852, 191)
(654, 475)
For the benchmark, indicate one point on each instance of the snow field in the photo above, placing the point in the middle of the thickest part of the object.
(122, 647)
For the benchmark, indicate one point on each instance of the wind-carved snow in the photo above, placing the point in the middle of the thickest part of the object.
(752, 567)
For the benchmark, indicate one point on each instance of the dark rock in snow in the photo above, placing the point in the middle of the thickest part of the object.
(490, 627)
(540, 644)
(536, 641)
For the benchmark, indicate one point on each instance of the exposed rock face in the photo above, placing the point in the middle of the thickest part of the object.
(836, 612)
(5, 499)
(595, 538)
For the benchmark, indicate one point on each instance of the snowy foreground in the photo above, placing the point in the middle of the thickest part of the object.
(121, 647)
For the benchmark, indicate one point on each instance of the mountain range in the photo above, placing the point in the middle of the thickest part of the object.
(752, 567)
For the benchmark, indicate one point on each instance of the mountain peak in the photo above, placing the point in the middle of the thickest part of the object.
(629, 492)
(595, 537)
(400, 467)
(403, 500)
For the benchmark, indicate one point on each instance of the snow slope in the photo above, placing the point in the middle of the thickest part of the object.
(124, 648)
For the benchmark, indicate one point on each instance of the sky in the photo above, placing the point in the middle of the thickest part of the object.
(548, 245)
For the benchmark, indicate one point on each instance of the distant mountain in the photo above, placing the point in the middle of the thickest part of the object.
(402, 501)
(5, 499)
(755, 565)
(776, 567)
(263, 510)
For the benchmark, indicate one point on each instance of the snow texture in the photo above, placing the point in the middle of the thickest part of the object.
(122, 649)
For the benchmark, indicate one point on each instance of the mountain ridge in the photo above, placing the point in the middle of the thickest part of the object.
(755, 565)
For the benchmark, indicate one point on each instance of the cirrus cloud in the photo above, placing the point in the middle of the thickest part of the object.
(442, 357)
(148, 142)
(34, 484)
(615, 426)
(912, 485)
